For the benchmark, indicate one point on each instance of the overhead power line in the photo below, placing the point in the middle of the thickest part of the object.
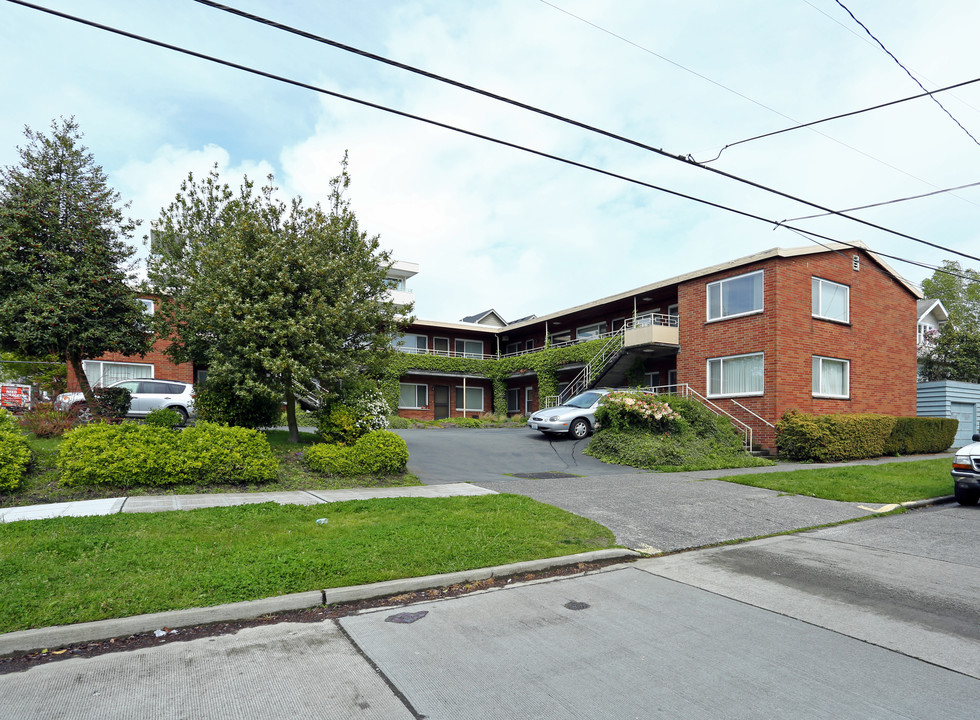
(504, 143)
(560, 118)
(928, 93)
(890, 202)
(907, 72)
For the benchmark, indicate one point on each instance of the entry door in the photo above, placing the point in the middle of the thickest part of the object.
(440, 401)
(966, 413)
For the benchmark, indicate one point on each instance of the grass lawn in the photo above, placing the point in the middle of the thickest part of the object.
(41, 483)
(887, 483)
(69, 570)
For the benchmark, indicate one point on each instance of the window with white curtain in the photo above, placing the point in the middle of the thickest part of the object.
(736, 375)
(831, 301)
(100, 374)
(831, 377)
(739, 295)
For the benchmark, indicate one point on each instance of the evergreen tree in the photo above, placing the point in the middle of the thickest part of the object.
(63, 280)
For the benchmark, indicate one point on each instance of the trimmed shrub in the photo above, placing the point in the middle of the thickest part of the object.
(921, 435)
(231, 403)
(134, 454)
(8, 421)
(668, 451)
(46, 422)
(358, 410)
(163, 417)
(833, 438)
(15, 456)
(378, 453)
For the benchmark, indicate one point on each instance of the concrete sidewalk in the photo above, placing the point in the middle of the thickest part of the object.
(163, 503)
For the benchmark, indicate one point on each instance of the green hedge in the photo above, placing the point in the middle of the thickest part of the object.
(15, 456)
(833, 438)
(132, 454)
(378, 453)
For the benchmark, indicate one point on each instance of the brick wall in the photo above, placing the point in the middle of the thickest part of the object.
(163, 367)
(879, 340)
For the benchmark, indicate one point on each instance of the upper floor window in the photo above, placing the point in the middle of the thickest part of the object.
(831, 301)
(147, 305)
(925, 331)
(590, 331)
(395, 283)
(734, 296)
(416, 344)
(469, 348)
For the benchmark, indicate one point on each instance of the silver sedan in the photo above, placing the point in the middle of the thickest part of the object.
(575, 417)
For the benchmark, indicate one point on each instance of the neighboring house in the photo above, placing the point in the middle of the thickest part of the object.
(951, 399)
(932, 316)
(815, 329)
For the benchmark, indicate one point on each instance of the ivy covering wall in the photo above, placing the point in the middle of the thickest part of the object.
(545, 363)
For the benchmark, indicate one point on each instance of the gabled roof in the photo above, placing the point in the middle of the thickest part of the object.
(488, 317)
(933, 307)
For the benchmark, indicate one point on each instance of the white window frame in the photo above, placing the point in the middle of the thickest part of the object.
(922, 329)
(673, 314)
(425, 398)
(512, 348)
(398, 344)
(469, 389)
(818, 389)
(590, 331)
(516, 407)
(722, 393)
(652, 378)
(529, 344)
(561, 337)
(436, 350)
(149, 306)
(618, 323)
(528, 399)
(816, 306)
(719, 284)
(100, 374)
(467, 353)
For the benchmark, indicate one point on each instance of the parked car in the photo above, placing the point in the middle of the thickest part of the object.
(966, 473)
(148, 394)
(575, 417)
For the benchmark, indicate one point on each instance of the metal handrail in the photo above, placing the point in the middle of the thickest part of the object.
(755, 415)
(689, 392)
(583, 380)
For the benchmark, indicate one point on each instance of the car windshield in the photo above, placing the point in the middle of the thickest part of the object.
(584, 400)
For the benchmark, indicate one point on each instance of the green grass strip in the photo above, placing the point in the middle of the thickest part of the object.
(70, 570)
(895, 482)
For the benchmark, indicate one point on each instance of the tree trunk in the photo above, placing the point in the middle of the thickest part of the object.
(291, 409)
(75, 361)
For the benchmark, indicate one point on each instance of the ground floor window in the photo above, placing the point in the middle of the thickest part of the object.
(474, 398)
(831, 377)
(528, 400)
(412, 397)
(736, 375)
(652, 379)
(514, 400)
(100, 374)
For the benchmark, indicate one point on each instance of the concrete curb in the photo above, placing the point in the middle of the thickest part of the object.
(912, 504)
(56, 636)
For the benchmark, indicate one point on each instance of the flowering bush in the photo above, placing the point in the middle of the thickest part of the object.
(354, 416)
(625, 410)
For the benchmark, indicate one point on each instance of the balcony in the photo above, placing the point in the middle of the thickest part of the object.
(653, 329)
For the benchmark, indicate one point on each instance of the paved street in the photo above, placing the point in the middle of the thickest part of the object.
(869, 620)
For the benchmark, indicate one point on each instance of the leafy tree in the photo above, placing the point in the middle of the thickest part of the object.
(45, 372)
(269, 295)
(960, 296)
(63, 284)
(954, 355)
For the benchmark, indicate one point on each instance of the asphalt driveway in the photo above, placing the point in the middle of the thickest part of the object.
(647, 511)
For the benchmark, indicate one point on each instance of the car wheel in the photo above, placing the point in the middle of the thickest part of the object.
(83, 412)
(183, 415)
(966, 496)
(579, 428)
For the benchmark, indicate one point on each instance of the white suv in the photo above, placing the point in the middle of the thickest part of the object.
(148, 394)
(966, 473)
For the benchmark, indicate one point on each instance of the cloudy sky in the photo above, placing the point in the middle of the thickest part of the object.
(494, 226)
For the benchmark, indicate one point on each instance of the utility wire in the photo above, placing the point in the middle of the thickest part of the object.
(898, 62)
(928, 93)
(470, 133)
(554, 116)
(751, 100)
(889, 202)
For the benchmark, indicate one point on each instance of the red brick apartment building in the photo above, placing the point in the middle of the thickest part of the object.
(816, 329)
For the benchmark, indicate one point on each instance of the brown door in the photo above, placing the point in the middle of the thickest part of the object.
(441, 401)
